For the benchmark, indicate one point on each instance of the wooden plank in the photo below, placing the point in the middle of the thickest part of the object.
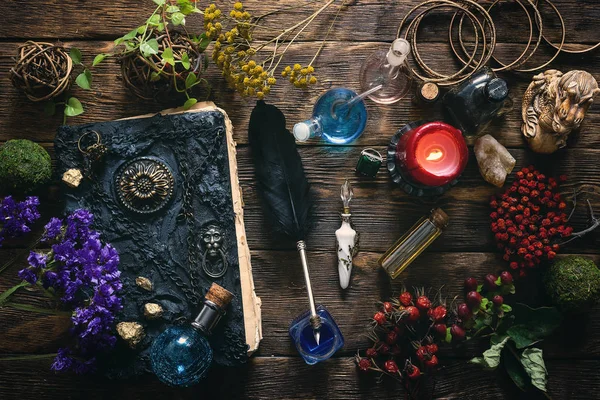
(338, 66)
(382, 212)
(374, 20)
(280, 284)
(290, 378)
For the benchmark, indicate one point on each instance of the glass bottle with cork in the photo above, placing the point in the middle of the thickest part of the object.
(181, 355)
(413, 243)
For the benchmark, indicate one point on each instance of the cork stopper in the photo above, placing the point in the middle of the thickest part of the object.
(430, 91)
(218, 295)
(439, 218)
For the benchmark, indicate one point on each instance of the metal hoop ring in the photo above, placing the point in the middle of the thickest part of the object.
(98, 141)
(210, 273)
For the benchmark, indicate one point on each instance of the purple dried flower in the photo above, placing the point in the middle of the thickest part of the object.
(63, 361)
(52, 230)
(16, 218)
(28, 275)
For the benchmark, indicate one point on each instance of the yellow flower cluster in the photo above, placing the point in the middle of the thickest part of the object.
(300, 76)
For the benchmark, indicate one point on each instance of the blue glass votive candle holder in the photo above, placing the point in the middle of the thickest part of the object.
(302, 335)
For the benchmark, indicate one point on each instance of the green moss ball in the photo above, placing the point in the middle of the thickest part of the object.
(24, 166)
(573, 284)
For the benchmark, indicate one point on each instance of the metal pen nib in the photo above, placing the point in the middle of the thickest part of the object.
(315, 320)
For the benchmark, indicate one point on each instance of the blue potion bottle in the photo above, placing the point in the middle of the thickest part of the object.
(181, 355)
(340, 116)
(302, 334)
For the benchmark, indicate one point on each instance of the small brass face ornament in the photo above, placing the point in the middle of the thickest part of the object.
(144, 185)
(212, 241)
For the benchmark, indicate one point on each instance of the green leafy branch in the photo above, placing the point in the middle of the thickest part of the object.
(155, 45)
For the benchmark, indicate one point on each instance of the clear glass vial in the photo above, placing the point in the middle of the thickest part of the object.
(339, 116)
(181, 355)
(413, 243)
(331, 339)
(387, 68)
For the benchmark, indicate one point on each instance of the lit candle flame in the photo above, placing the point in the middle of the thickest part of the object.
(435, 155)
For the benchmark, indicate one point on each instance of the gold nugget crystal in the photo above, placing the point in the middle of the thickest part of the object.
(153, 310)
(72, 177)
(144, 283)
(131, 332)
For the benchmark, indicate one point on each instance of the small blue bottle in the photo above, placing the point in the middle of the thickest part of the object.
(340, 116)
(181, 355)
(302, 334)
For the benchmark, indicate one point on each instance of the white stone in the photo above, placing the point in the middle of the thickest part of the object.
(495, 162)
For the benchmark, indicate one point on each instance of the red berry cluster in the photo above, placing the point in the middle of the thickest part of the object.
(404, 333)
(527, 217)
(479, 311)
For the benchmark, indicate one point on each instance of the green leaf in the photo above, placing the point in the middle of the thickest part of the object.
(506, 308)
(159, 2)
(515, 370)
(190, 80)
(160, 27)
(204, 42)
(479, 288)
(75, 55)
(178, 19)
(498, 281)
(495, 338)
(73, 107)
(128, 36)
(8, 292)
(167, 56)
(141, 29)
(482, 320)
(84, 80)
(533, 324)
(185, 60)
(154, 76)
(533, 361)
(448, 337)
(153, 20)
(149, 48)
(190, 102)
(50, 108)
(172, 9)
(491, 357)
(98, 59)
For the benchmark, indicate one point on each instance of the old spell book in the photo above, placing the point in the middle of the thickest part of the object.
(165, 193)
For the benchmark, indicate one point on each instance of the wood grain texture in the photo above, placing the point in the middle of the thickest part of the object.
(381, 211)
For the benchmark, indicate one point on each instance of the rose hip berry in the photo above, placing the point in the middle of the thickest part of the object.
(423, 303)
(473, 299)
(464, 312)
(506, 278)
(432, 348)
(422, 353)
(413, 372)
(413, 313)
(388, 307)
(371, 353)
(391, 366)
(438, 313)
(405, 299)
(364, 364)
(470, 284)
(498, 300)
(391, 338)
(380, 318)
(432, 363)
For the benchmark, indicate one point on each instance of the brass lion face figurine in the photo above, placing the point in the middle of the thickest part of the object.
(554, 105)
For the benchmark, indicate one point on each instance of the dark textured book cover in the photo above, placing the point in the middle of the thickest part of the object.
(165, 194)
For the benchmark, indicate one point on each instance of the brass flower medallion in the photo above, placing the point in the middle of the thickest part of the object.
(144, 185)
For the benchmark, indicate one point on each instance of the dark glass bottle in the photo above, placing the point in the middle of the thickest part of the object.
(472, 105)
(181, 355)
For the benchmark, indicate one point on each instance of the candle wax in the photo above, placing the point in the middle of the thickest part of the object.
(432, 154)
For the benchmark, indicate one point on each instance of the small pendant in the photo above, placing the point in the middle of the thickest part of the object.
(346, 238)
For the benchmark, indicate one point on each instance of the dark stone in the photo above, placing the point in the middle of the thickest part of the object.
(156, 245)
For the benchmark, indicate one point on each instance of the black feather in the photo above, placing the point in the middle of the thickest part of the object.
(279, 172)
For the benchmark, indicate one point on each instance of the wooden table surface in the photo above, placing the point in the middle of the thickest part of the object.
(381, 211)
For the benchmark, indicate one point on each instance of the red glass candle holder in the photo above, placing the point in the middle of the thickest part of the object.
(426, 159)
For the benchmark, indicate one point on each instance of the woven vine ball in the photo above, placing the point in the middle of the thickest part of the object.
(42, 70)
(137, 70)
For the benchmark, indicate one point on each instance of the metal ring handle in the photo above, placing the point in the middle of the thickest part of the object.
(210, 273)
